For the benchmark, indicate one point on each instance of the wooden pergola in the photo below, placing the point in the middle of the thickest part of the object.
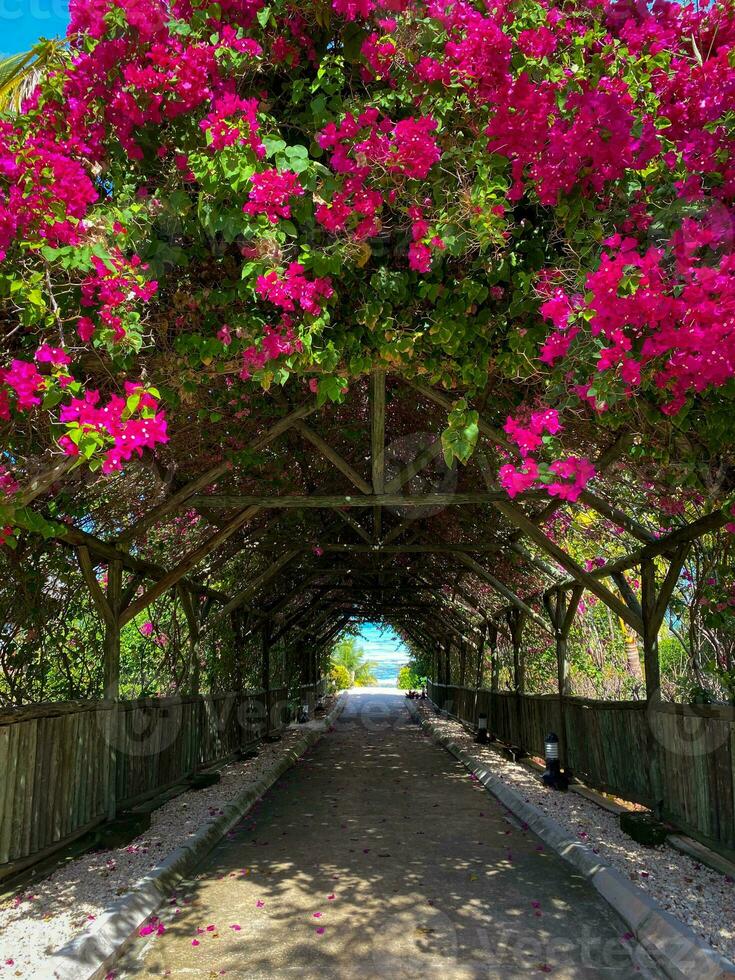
(394, 560)
(290, 523)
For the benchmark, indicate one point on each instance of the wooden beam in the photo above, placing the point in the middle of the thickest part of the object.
(667, 544)
(296, 617)
(355, 525)
(74, 537)
(193, 558)
(95, 589)
(42, 482)
(339, 462)
(538, 563)
(214, 473)
(336, 501)
(503, 589)
(409, 549)
(616, 515)
(412, 469)
(397, 531)
(575, 598)
(519, 519)
(669, 584)
(629, 597)
(259, 581)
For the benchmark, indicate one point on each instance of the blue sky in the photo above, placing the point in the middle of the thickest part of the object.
(385, 648)
(23, 22)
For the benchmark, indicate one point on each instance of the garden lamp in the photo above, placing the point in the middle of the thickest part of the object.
(553, 776)
(481, 737)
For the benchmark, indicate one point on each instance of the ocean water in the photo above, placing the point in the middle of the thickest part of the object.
(387, 670)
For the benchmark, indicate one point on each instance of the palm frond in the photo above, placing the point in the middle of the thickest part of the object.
(19, 73)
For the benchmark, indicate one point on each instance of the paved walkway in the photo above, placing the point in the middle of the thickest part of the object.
(378, 856)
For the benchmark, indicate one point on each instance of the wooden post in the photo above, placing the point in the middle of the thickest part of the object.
(652, 673)
(651, 625)
(651, 611)
(562, 607)
(239, 627)
(112, 631)
(193, 622)
(480, 669)
(516, 621)
(112, 678)
(111, 605)
(494, 659)
(462, 662)
(266, 673)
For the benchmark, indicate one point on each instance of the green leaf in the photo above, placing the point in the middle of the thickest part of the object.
(460, 437)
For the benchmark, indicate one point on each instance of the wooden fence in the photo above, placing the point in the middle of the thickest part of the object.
(681, 756)
(65, 768)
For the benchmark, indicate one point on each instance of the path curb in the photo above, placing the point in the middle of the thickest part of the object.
(90, 955)
(677, 950)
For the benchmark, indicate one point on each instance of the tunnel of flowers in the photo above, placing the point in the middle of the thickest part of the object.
(420, 313)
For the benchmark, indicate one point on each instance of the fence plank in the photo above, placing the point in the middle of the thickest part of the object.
(54, 759)
(608, 747)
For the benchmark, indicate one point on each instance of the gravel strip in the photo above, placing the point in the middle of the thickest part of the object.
(702, 898)
(34, 924)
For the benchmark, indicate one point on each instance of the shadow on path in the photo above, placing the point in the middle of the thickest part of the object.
(379, 856)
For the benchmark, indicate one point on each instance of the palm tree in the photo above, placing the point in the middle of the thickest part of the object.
(19, 73)
(347, 654)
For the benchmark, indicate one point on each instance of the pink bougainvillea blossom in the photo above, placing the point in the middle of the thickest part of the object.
(271, 193)
(51, 355)
(130, 430)
(233, 120)
(26, 384)
(292, 289)
(406, 148)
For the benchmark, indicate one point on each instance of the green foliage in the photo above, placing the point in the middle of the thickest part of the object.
(339, 677)
(460, 436)
(19, 73)
(351, 658)
(409, 679)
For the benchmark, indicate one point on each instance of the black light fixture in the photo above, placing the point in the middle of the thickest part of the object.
(481, 737)
(553, 777)
(303, 714)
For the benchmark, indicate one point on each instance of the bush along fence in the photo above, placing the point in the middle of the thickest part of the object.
(629, 748)
(67, 768)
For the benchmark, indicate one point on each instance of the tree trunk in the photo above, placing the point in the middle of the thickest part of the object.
(632, 652)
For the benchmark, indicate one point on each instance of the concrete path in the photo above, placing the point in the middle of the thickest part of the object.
(378, 856)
